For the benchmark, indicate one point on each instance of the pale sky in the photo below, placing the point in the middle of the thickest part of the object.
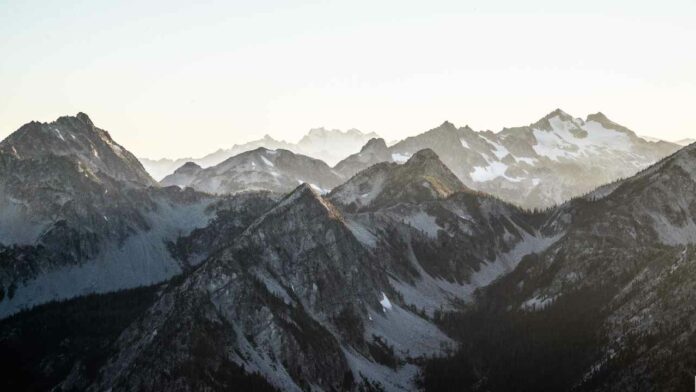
(171, 79)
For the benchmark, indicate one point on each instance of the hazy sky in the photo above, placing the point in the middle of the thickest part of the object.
(168, 78)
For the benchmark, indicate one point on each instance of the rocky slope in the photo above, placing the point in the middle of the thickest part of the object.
(365, 286)
(260, 169)
(625, 261)
(79, 214)
(535, 166)
(310, 294)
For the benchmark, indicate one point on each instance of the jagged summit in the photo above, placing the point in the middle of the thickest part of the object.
(559, 113)
(423, 156)
(188, 167)
(84, 118)
(447, 125)
(422, 177)
(374, 144)
(278, 170)
(304, 203)
(545, 122)
(374, 151)
(77, 139)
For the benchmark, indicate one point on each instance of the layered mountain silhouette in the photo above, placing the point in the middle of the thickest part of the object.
(394, 270)
(535, 166)
(260, 169)
(329, 145)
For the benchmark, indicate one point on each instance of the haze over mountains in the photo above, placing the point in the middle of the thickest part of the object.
(534, 166)
(260, 169)
(329, 145)
(685, 142)
(393, 270)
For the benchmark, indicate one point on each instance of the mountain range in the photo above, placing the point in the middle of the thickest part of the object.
(393, 270)
(535, 166)
(260, 169)
(329, 145)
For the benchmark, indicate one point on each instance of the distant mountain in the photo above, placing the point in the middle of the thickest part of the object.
(685, 142)
(160, 168)
(260, 169)
(375, 151)
(534, 166)
(423, 177)
(327, 145)
(79, 214)
(332, 145)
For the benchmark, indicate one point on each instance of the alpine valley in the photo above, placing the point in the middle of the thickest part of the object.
(555, 256)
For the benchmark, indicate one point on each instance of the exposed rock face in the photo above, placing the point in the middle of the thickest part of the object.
(260, 169)
(77, 139)
(626, 256)
(79, 214)
(311, 294)
(423, 177)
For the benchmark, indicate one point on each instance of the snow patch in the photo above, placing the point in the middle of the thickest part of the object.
(491, 172)
(386, 304)
(400, 158)
(266, 161)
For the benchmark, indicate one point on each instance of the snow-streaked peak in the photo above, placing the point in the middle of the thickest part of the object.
(77, 139)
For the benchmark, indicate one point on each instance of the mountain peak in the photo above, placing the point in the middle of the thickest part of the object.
(544, 122)
(188, 167)
(422, 178)
(602, 119)
(374, 144)
(84, 118)
(599, 117)
(423, 155)
(305, 197)
(448, 125)
(558, 113)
